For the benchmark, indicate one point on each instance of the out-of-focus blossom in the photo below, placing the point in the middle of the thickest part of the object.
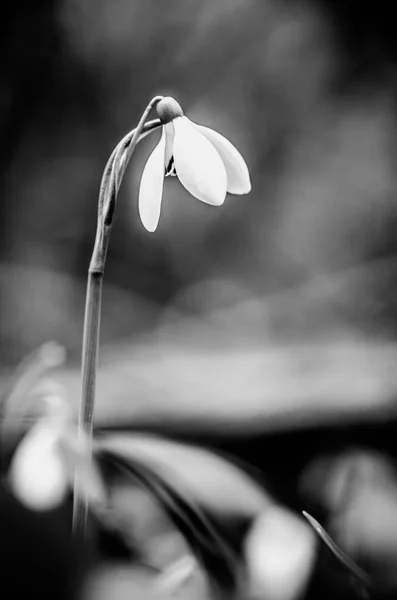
(38, 475)
(43, 466)
(280, 552)
(206, 163)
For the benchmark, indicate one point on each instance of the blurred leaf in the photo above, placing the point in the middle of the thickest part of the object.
(177, 476)
(216, 483)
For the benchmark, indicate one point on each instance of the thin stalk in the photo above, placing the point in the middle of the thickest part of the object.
(347, 562)
(111, 181)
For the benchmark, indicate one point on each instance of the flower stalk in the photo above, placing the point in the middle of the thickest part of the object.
(110, 185)
(207, 165)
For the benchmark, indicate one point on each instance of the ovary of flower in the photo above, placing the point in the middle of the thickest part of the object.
(38, 476)
(205, 162)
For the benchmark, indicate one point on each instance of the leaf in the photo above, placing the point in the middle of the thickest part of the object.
(176, 475)
(216, 483)
(341, 556)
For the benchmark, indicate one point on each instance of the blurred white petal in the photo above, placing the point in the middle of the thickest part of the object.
(280, 552)
(37, 474)
(238, 178)
(151, 187)
(198, 165)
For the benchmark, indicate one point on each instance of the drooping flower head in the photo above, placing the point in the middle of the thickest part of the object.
(204, 161)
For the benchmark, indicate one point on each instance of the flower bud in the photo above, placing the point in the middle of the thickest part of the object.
(168, 109)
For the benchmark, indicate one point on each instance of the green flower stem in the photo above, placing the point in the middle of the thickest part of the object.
(111, 181)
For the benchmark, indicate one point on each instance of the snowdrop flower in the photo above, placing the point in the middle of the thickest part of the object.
(280, 552)
(43, 466)
(38, 476)
(205, 162)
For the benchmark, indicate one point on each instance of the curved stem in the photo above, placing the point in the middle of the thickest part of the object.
(148, 128)
(110, 184)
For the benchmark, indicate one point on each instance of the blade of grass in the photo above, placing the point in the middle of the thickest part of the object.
(341, 556)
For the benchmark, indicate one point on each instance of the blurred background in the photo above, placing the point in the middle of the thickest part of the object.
(267, 323)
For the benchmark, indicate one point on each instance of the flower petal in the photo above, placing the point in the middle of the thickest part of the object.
(280, 552)
(151, 186)
(238, 178)
(198, 165)
(37, 475)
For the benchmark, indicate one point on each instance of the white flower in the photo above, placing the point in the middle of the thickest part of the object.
(38, 475)
(43, 467)
(206, 163)
(280, 553)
